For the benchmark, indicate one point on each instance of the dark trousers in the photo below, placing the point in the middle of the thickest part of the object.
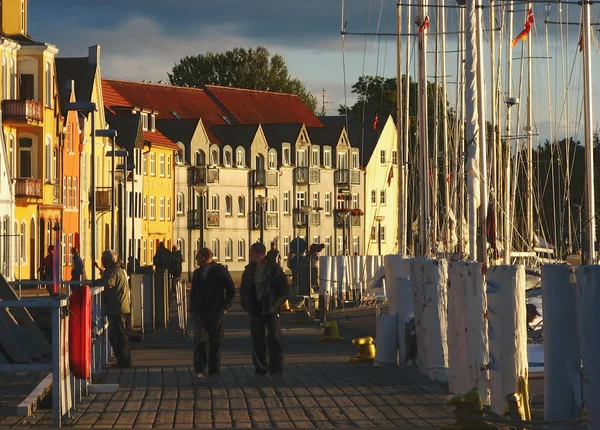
(118, 339)
(209, 329)
(273, 341)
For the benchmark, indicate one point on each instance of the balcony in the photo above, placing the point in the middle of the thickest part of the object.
(22, 111)
(271, 220)
(347, 177)
(212, 174)
(56, 192)
(314, 219)
(194, 221)
(272, 178)
(300, 218)
(28, 188)
(307, 175)
(254, 220)
(213, 219)
(355, 221)
(196, 176)
(258, 178)
(339, 221)
(104, 199)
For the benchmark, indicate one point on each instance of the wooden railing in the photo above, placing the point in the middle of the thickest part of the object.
(29, 188)
(22, 110)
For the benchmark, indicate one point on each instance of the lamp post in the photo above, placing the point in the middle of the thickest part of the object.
(261, 201)
(124, 168)
(379, 219)
(112, 134)
(344, 214)
(306, 210)
(89, 108)
(119, 176)
(201, 189)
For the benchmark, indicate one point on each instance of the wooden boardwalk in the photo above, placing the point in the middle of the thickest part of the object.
(319, 389)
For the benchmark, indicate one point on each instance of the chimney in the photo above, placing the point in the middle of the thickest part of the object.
(94, 54)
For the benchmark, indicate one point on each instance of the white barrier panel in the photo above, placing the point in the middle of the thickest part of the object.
(429, 280)
(468, 354)
(561, 344)
(324, 279)
(507, 331)
(340, 286)
(386, 341)
(399, 293)
(588, 283)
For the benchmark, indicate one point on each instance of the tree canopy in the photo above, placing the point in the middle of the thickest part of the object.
(254, 69)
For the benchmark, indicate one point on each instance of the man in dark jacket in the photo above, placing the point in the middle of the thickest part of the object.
(211, 295)
(263, 290)
(176, 269)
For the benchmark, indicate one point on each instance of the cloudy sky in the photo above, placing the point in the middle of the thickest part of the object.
(143, 39)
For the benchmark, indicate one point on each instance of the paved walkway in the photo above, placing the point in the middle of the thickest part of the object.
(319, 389)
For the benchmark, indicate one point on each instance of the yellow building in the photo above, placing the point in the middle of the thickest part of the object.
(30, 123)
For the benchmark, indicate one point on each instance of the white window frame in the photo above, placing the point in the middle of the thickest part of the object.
(241, 206)
(355, 159)
(327, 157)
(152, 208)
(286, 202)
(145, 207)
(49, 86)
(316, 199)
(168, 165)
(23, 241)
(373, 234)
(327, 245)
(340, 245)
(286, 247)
(144, 251)
(168, 208)
(382, 197)
(241, 249)
(161, 208)
(161, 165)
(314, 157)
(215, 202)
(355, 245)
(328, 205)
(49, 161)
(180, 203)
(272, 160)
(382, 157)
(227, 156)
(145, 163)
(373, 197)
(228, 249)
(152, 164)
(151, 122)
(240, 157)
(228, 205)
(382, 234)
(355, 201)
(286, 155)
(394, 157)
(144, 116)
(216, 248)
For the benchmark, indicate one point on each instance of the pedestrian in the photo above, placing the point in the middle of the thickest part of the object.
(263, 290)
(210, 298)
(176, 269)
(116, 305)
(162, 258)
(77, 272)
(47, 269)
(273, 254)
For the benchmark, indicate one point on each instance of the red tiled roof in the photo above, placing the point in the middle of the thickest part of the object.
(157, 138)
(263, 107)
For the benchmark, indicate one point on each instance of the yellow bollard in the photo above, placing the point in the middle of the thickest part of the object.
(366, 350)
(331, 333)
(467, 404)
(286, 307)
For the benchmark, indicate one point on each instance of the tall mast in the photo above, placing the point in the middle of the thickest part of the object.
(446, 223)
(589, 257)
(459, 142)
(436, 136)
(529, 173)
(424, 219)
(507, 207)
(483, 182)
(404, 154)
(402, 195)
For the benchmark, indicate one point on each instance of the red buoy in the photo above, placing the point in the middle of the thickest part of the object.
(80, 332)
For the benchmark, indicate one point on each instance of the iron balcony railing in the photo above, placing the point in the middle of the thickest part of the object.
(194, 220)
(29, 188)
(22, 110)
(104, 200)
(307, 175)
(271, 220)
(196, 176)
(347, 177)
(258, 178)
(314, 219)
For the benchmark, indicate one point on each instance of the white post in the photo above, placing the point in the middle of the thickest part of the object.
(429, 279)
(562, 359)
(397, 271)
(588, 280)
(468, 354)
(507, 331)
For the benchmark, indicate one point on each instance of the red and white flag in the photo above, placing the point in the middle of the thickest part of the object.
(390, 176)
(526, 28)
(376, 121)
(424, 25)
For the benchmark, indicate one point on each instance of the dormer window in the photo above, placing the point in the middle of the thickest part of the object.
(240, 157)
(214, 157)
(327, 157)
(151, 122)
(227, 156)
(355, 158)
(144, 121)
(314, 159)
(286, 158)
(272, 160)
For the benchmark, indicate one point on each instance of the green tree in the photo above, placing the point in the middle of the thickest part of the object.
(254, 69)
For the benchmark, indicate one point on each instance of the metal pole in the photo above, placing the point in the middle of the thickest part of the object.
(133, 211)
(93, 196)
(590, 255)
(113, 192)
(508, 212)
(529, 172)
(379, 237)
(201, 215)
(399, 135)
(404, 154)
(262, 222)
(123, 235)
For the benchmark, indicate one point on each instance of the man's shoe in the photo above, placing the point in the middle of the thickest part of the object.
(202, 377)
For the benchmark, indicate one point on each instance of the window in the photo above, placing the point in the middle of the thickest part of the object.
(382, 156)
(355, 159)
(161, 208)
(301, 159)
(181, 247)
(342, 160)
(239, 158)
(168, 208)
(69, 246)
(152, 164)
(216, 248)
(382, 235)
(315, 157)
(23, 16)
(241, 249)
(152, 252)
(199, 158)
(327, 157)
(354, 201)
(316, 239)
(179, 158)
(180, 203)
(300, 199)
(327, 203)
(241, 206)
(144, 121)
(69, 192)
(63, 249)
(145, 163)
(49, 160)
(316, 199)
(23, 244)
(214, 157)
(228, 205)
(373, 197)
(227, 157)
(286, 202)
(75, 193)
(394, 157)
(355, 245)
(64, 191)
(273, 204)
(161, 165)
(228, 249)
(144, 251)
(272, 160)
(373, 233)
(151, 122)
(25, 158)
(215, 202)
(340, 245)
(327, 245)
(168, 166)
(286, 159)
(144, 212)
(152, 208)
(286, 247)
(49, 84)
(382, 197)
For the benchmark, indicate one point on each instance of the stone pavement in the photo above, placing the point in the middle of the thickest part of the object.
(319, 389)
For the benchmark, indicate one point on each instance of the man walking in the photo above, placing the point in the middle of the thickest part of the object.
(47, 269)
(77, 272)
(273, 254)
(210, 298)
(176, 269)
(117, 306)
(263, 290)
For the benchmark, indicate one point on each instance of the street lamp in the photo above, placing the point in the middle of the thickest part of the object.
(114, 153)
(379, 219)
(306, 210)
(261, 201)
(344, 214)
(89, 108)
(200, 189)
(123, 170)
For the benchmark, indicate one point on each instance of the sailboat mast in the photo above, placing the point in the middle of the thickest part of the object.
(507, 206)
(483, 182)
(402, 195)
(529, 173)
(425, 218)
(436, 138)
(446, 222)
(590, 256)
(404, 157)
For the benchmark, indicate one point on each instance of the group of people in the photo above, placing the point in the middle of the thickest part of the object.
(264, 288)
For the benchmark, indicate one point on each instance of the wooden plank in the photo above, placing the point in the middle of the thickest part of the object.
(27, 406)
(22, 315)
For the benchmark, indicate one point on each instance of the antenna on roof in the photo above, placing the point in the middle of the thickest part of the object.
(323, 109)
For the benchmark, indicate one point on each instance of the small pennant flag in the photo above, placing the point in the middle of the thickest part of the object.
(390, 176)
(526, 28)
(425, 25)
(580, 43)
(376, 121)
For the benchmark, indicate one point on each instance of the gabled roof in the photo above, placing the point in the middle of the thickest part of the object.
(79, 70)
(276, 134)
(360, 134)
(157, 138)
(236, 134)
(129, 130)
(178, 130)
(262, 107)
(325, 136)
